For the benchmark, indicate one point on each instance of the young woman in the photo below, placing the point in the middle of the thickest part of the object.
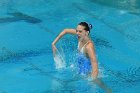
(86, 60)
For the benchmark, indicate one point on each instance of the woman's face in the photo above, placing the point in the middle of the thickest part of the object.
(81, 32)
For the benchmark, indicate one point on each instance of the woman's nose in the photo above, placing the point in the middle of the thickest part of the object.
(77, 33)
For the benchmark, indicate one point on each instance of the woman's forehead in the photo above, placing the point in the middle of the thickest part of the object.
(80, 27)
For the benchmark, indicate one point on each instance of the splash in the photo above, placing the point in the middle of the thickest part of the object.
(59, 59)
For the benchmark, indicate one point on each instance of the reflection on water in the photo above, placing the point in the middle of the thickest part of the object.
(132, 6)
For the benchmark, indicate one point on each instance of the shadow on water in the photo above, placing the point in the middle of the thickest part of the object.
(18, 16)
(8, 54)
(17, 57)
(13, 56)
(129, 77)
(101, 42)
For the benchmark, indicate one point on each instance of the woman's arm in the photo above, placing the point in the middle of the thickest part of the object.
(65, 31)
(94, 74)
(91, 54)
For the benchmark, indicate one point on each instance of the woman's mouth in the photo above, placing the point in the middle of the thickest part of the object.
(78, 37)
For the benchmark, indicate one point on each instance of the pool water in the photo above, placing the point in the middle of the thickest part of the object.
(27, 29)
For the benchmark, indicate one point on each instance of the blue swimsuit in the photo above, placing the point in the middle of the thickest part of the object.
(84, 64)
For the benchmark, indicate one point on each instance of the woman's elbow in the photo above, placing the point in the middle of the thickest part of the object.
(65, 31)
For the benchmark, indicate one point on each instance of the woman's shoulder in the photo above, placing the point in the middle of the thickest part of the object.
(90, 44)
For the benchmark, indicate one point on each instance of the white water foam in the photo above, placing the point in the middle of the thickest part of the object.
(59, 60)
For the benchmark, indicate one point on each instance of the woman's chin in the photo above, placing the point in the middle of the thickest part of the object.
(79, 39)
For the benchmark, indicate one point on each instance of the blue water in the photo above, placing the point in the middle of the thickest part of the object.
(28, 27)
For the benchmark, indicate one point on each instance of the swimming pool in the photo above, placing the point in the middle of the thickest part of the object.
(27, 29)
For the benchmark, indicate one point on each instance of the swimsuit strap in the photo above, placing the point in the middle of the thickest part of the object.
(83, 46)
(78, 45)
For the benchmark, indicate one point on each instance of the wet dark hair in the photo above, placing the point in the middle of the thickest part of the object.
(87, 26)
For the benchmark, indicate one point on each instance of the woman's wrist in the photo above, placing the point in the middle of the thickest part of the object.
(95, 74)
(53, 43)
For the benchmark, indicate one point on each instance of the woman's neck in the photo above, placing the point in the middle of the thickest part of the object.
(85, 40)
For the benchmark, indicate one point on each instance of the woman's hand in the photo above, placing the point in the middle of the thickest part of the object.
(94, 74)
(54, 49)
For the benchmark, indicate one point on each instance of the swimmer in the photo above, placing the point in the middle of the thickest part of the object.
(86, 59)
(87, 62)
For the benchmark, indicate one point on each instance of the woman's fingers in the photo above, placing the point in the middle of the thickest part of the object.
(54, 49)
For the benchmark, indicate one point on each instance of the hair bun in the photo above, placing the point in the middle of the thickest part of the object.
(90, 26)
